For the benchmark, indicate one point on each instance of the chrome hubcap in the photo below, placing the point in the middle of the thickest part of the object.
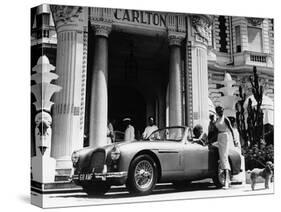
(144, 174)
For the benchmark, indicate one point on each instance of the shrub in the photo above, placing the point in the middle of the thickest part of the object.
(256, 157)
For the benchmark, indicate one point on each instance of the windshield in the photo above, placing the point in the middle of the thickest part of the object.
(168, 134)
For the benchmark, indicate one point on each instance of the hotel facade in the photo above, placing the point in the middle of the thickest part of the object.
(117, 63)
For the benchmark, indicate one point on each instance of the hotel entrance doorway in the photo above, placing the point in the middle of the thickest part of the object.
(137, 79)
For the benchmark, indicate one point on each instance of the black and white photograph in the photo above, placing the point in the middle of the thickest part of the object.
(133, 105)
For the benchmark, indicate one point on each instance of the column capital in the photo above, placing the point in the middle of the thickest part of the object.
(175, 38)
(202, 25)
(102, 28)
(67, 17)
(101, 20)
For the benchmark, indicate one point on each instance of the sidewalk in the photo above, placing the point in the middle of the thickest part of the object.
(162, 192)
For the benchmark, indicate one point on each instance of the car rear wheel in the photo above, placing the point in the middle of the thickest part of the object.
(142, 175)
(97, 188)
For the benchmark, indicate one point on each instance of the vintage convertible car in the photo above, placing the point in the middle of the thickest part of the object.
(170, 155)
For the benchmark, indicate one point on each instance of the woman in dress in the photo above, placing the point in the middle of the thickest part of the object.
(225, 135)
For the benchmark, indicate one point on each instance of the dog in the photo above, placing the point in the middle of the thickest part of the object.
(266, 173)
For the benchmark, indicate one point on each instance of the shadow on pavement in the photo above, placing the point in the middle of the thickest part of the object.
(257, 189)
(159, 189)
(25, 198)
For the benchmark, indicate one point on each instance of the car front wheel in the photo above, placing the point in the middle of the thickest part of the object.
(142, 175)
(97, 188)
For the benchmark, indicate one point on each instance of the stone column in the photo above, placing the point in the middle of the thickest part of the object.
(99, 93)
(199, 38)
(175, 94)
(68, 114)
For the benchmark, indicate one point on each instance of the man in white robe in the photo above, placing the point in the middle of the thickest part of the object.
(130, 131)
(150, 128)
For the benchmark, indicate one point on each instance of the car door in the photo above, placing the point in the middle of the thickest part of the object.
(171, 159)
(196, 160)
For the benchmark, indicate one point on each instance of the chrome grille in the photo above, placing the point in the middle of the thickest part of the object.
(97, 161)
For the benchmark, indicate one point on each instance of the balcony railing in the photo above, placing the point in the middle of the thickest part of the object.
(258, 58)
(253, 58)
(43, 32)
(46, 34)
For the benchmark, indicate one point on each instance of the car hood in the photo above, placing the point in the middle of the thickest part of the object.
(134, 146)
(144, 144)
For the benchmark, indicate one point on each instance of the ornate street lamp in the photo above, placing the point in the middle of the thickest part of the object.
(43, 165)
(228, 100)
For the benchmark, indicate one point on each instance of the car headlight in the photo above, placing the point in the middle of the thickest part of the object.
(115, 153)
(75, 158)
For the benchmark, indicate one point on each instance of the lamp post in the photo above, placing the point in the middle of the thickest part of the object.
(43, 165)
(228, 100)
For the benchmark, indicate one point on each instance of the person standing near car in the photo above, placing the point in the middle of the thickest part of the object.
(212, 130)
(110, 133)
(225, 132)
(149, 129)
(129, 130)
(199, 136)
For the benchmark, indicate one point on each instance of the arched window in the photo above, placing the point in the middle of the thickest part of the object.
(254, 39)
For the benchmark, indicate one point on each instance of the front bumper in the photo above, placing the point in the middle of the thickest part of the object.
(117, 178)
(111, 175)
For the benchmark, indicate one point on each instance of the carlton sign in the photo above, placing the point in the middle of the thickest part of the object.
(141, 17)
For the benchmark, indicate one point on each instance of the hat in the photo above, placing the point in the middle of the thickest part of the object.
(127, 119)
(151, 118)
